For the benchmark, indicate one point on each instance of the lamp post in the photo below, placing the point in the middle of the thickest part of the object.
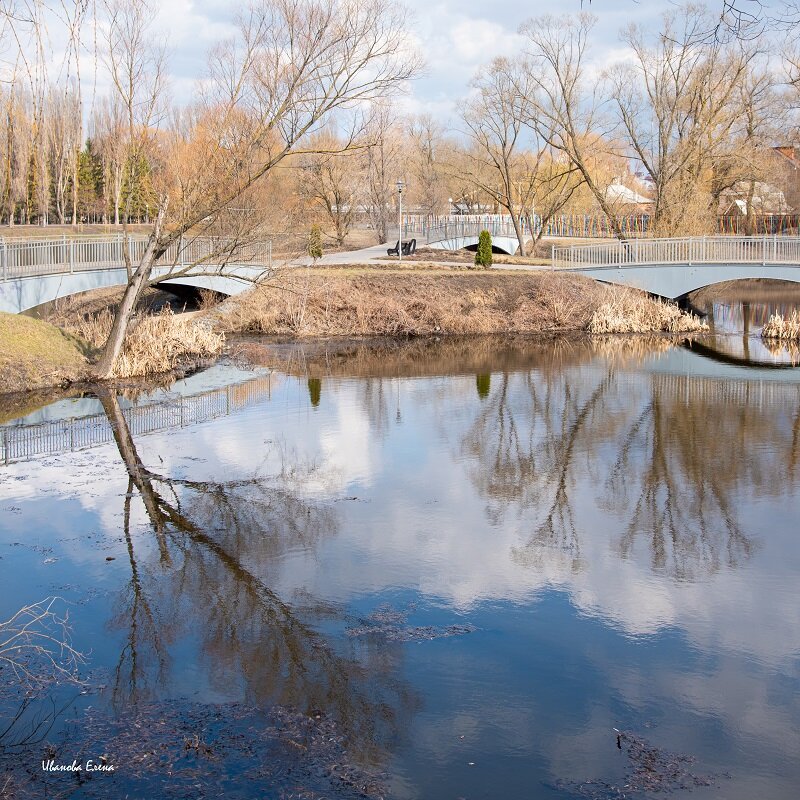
(400, 186)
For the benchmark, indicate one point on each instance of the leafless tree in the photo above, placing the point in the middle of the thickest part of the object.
(677, 104)
(425, 168)
(508, 160)
(565, 105)
(383, 167)
(333, 182)
(259, 106)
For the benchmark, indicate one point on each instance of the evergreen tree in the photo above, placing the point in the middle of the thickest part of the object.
(483, 255)
(315, 243)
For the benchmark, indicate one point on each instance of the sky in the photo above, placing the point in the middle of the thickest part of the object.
(455, 38)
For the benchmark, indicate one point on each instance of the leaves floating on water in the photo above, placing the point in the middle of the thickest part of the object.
(391, 625)
(650, 770)
(179, 749)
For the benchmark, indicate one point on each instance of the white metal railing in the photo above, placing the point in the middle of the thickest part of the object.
(21, 442)
(455, 228)
(692, 250)
(24, 258)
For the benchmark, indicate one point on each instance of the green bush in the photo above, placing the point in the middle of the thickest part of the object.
(483, 255)
(315, 243)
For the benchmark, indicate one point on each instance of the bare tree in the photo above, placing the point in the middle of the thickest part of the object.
(495, 118)
(383, 160)
(677, 104)
(293, 66)
(517, 178)
(564, 104)
(335, 183)
(425, 139)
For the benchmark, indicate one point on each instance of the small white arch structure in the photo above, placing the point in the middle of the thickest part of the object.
(457, 234)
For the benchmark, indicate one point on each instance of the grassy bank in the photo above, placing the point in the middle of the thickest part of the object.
(35, 354)
(383, 302)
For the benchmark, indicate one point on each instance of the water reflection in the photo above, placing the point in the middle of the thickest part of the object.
(615, 517)
(736, 314)
(214, 541)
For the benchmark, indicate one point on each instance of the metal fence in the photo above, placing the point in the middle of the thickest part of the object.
(456, 227)
(24, 258)
(694, 250)
(22, 442)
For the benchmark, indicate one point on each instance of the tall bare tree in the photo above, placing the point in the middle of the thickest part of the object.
(294, 64)
(565, 103)
(677, 104)
(383, 167)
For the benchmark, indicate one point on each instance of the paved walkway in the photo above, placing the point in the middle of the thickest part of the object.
(377, 255)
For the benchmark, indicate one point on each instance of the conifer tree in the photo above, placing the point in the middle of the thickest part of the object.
(483, 255)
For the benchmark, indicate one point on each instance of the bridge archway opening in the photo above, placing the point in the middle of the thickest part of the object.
(473, 248)
(179, 297)
(770, 287)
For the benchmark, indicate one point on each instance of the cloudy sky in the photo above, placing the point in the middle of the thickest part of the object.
(455, 38)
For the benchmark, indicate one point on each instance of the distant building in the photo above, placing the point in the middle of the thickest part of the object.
(766, 199)
(620, 195)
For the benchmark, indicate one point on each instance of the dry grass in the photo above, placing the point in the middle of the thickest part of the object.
(364, 303)
(158, 343)
(34, 354)
(629, 311)
(778, 327)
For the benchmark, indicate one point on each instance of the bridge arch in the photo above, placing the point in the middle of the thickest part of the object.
(37, 272)
(672, 268)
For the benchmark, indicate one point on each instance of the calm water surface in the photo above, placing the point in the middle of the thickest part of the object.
(474, 560)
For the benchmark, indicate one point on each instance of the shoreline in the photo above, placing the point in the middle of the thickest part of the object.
(345, 305)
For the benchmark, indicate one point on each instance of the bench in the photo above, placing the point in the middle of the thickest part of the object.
(409, 248)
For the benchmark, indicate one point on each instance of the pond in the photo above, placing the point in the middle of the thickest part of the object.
(445, 569)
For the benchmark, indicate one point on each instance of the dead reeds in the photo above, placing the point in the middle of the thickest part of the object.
(311, 304)
(157, 343)
(629, 311)
(779, 327)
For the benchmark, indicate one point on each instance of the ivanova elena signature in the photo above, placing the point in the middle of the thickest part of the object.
(90, 766)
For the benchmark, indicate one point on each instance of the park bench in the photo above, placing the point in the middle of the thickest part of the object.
(409, 248)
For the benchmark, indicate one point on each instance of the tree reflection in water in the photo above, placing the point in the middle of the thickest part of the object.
(215, 541)
(668, 455)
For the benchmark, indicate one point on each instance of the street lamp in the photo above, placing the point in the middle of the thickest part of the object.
(400, 186)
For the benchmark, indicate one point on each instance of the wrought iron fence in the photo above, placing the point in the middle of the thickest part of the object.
(22, 442)
(23, 258)
(692, 250)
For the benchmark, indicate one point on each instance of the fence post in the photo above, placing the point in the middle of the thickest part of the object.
(764, 250)
(3, 257)
(552, 257)
(71, 255)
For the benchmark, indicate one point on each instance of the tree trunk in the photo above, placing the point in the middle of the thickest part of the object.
(519, 233)
(122, 319)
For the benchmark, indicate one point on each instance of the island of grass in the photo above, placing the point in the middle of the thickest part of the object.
(35, 354)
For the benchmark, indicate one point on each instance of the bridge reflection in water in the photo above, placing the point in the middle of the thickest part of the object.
(22, 442)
